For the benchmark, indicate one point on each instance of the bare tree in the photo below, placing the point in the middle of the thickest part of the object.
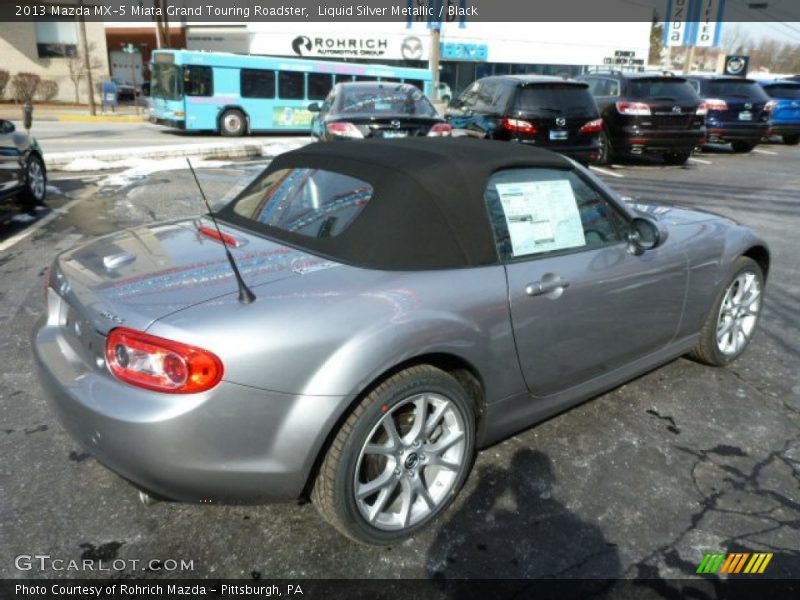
(24, 86)
(735, 40)
(77, 69)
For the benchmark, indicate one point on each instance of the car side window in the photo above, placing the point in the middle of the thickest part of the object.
(470, 95)
(540, 211)
(486, 94)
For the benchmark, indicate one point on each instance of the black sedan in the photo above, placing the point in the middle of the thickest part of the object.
(376, 109)
(22, 171)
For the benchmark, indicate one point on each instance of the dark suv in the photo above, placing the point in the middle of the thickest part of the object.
(22, 171)
(737, 110)
(551, 112)
(646, 113)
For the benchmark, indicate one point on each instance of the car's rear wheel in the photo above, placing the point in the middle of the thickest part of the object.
(677, 158)
(791, 140)
(232, 123)
(605, 152)
(742, 147)
(732, 321)
(399, 459)
(35, 189)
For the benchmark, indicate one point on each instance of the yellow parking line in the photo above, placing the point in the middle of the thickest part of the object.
(101, 118)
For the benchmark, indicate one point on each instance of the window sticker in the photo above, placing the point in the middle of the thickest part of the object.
(542, 216)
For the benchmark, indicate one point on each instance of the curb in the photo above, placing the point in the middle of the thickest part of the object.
(101, 118)
(56, 161)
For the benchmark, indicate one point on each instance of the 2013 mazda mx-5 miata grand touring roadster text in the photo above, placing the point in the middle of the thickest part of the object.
(415, 300)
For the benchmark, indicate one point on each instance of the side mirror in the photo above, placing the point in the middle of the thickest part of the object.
(6, 126)
(313, 107)
(645, 234)
(455, 103)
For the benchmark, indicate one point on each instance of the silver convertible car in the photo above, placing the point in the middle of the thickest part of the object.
(402, 303)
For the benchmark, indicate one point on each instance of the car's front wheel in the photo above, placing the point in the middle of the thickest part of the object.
(791, 140)
(732, 321)
(399, 459)
(35, 189)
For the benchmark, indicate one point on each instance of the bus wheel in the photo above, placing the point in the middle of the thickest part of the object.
(232, 123)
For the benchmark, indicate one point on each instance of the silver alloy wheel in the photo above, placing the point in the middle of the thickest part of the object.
(410, 461)
(232, 122)
(738, 313)
(36, 182)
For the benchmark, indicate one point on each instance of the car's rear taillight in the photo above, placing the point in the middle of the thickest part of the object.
(344, 129)
(595, 126)
(770, 106)
(518, 126)
(711, 104)
(633, 109)
(159, 364)
(440, 130)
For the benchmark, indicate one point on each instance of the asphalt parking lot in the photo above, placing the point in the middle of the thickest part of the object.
(639, 482)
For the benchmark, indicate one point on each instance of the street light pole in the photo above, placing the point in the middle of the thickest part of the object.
(87, 62)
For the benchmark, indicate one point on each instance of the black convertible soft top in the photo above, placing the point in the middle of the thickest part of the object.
(427, 210)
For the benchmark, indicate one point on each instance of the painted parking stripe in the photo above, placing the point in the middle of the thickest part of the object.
(56, 212)
(760, 151)
(701, 161)
(607, 172)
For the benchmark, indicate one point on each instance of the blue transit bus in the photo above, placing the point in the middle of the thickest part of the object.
(233, 94)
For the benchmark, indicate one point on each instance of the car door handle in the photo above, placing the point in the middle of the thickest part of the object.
(540, 288)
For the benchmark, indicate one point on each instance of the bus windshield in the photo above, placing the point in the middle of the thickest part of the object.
(165, 81)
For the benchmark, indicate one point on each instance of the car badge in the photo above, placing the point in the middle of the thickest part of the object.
(748, 106)
(561, 121)
(395, 124)
(109, 316)
(676, 110)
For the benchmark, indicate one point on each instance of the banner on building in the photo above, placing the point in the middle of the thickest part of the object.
(693, 22)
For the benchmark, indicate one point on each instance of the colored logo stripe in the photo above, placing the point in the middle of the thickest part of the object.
(735, 562)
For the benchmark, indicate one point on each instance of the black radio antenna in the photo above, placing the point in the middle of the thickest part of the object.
(246, 295)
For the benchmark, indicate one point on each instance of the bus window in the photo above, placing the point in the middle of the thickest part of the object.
(198, 81)
(290, 85)
(417, 83)
(319, 84)
(257, 83)
(343, 78)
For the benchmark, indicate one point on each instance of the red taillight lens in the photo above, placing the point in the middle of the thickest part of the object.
(159, 364)
(518, 125)
(440, 129)
(633, 109)
(770, 106)
(344, 129)
(711, 104)
(225, 238)
(595, 126)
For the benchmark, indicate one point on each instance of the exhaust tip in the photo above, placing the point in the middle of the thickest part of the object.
(147, 499)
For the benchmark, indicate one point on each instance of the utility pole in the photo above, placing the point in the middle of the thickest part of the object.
(87, 61)
(433, 59)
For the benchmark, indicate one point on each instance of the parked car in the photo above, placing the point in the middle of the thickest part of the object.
(414, 300)
(22, 170)
(785, 114)
(445, 94)
(550, 112)
(736, 110)
(373, 109)
(645, 112)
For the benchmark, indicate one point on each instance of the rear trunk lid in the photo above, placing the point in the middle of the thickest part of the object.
(745, 99)
(673, 103)
(137, 276)
(557, 111)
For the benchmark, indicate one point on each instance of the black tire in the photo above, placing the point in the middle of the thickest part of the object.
(677, 158)
(35, 189)
(791, 140)
(707, 350)
(232, 123)
(742, 147)
(606, 151)
(334, 489)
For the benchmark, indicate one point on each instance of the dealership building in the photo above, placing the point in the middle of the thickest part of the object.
(469, 50)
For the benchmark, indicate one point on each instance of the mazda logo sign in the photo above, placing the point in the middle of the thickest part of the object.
(676, 110)
(561, 121)
(395, 124)
(748, 106)
(411, 48)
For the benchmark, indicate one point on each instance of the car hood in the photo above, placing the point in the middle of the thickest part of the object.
(676, 214)
(137, 276)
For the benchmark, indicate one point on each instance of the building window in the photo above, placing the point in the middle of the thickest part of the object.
(258, 84)
(56, 39)
(290, 85)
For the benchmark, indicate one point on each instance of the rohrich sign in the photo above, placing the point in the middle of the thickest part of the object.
(339, 46)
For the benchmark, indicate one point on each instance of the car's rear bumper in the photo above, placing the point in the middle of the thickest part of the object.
(790, 128)
(734, 132)
(641, 141)
(232, 444)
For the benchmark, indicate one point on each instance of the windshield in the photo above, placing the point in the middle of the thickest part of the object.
(556, 98)
(663, 88)
(738, 89)
(384, 100)
(165, 81)
(309, 202)
(784, 91)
